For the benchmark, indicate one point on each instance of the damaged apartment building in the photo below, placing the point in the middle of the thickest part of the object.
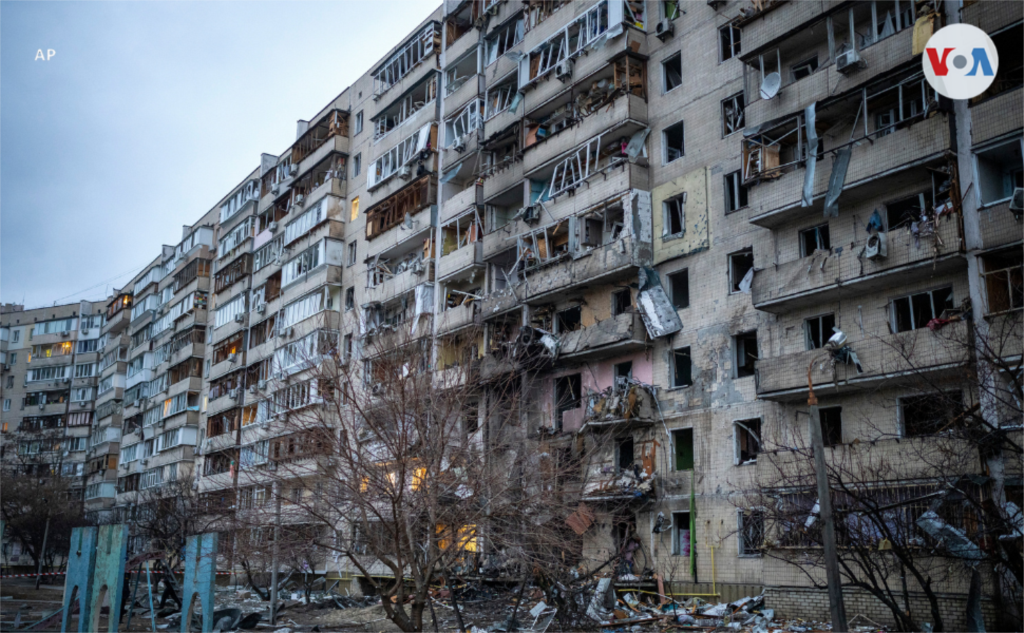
(661, 219)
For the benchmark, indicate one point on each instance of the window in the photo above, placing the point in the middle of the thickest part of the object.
(804, 68)
(10, 382)
(928, 414)
(813, 239)
(357, 164)
(817, 330)
(681, 368)
(732, 114)
(915, 311)
(300, 265)
(13, 359)
(679, 286)
(15, 336)
(1004, 281)
(672, 139)
(622, 301)
(347, 347)
(735, 192)
(683, 441)
(751, 532)
(352, 252)
(350, 298)
(741, 271)
(84, 347)
(748, 440)
(831, 425)
(623, 370)
(7, 404)
(670, 9)
(903, 212)
(674, 212)
(624, 454)
(681, 536)
(568, 396)
(359, 122)
(746, 353)
(570, 320)
(1000, 170)
(355, 209)
(672, 72)
(728, 42)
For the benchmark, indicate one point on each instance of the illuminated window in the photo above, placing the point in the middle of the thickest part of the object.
(355, 208)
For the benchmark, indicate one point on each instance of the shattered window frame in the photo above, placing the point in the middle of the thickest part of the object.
(1008, 177)
(504, 38)
(736, 279)
(742, 343)
(729, 47)
(668, 65)
(736, 195)
(747, 441)
(733, 119)
(912, 410)
(673, 214)
(1003, 276)
(666, 151)
(674, 285)
(821, 237)
(678, 355)
(915, 310)
(823, 333)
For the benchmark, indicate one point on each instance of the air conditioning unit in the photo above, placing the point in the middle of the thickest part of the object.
(85, 331)
(1017, 201)
(65, 334)
(81, 405)
(262, 384)
(233, 394)
(273, 227)
(460, 144)
(299, 198)
(531, 213)
(418, 267)
(665, 29)
(42, 405)
(233, 357)
(261, 308)
(252, 389)
(405, 172)
(876, 248)
(239, 317)
(293, 169)
(563, 71)
(849, 61)
(275, 190)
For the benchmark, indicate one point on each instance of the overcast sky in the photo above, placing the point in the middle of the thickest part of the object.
(148, 113)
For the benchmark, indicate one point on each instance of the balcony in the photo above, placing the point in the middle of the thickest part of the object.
(466, 199)
(888, 360)
(220, 481)
(399, 284)
(471, 86)
(461, 316)
(502, 178)
(805, 282)
(227, 366)
(621, 334)
(336, 143)
(997, 116)
(615, 408)
(880, 163)
(780, 18)
(999, 226)
(393, 237)
(461, 261)
(193, 384)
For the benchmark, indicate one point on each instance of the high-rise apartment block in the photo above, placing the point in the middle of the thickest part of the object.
(686, 200)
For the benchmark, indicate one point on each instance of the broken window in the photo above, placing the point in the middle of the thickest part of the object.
(624, 454)
(746, 353)
(905, 211)
(804, 69)
(1004, 280)
(672, 140)
(499, 98)
(396, 160)
(350, 298)
(679, 286)
(818, 330)
(751, 532)
(748, 440)
(732, 114)
(915, 311)
(569, 320)
(458, 128)
(462, 231)
(681, 368)
(419, 96)
(359, 122)
(568, 42)
(674, 212)
(503, 39)
(622, 302)
(682, 439)
(741, 266)
(543, 246)
(1000, 171)
(831, 425)
(406, 58)
(735, 192)
(568, 396)
(585, 161)
(672, 72)
(728, 42)
(622, 371)
(928, 414)
(775, 151)
(813, 239)
(458, 73)
(681, 536)
(357, 164)
(397, 208)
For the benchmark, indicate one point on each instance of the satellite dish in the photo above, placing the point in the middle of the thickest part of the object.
(770, 86)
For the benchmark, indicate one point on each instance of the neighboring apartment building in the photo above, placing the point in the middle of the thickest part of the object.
(627, 206)
(50, 359)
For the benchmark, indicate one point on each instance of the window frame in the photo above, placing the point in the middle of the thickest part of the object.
(735, 191)
(738, 101)
(676, 353)
(736, 47)
(680, 200)
(893, 322)
(738, 425)
(807, 330)
(741, 514)
(730, 256)
(670, 282)
(664, 142)
(817, 233)
(664, 72)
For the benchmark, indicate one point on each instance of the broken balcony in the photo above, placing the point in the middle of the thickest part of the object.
(409, 61)
(889, 360)
(462, 247)
(461, 81)
(502, 164)
(902, 129)
(462, 131)
(625, 405)
(460, 315)
(403, 221)
(807, 65)
(826, 274)
(388, 279)
(626, 475)
(412, 110)
(329, 134)
(615, 336)
(328, 176)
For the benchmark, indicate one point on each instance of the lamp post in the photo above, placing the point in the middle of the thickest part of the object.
(835, 589)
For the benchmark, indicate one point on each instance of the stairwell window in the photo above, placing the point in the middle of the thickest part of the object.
(728, 42)
(745, 345)
(674, 216)
(672, 72)
(735, 192)
(672, 141)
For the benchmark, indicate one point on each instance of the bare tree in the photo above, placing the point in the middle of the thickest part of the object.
(417, 468)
